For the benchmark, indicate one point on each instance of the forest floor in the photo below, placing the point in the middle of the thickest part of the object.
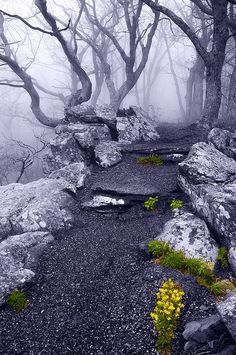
(96, 286)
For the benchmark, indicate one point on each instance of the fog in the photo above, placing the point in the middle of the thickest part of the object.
(161, 88)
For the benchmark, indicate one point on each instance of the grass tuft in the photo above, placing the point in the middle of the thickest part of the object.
(17, 300)
(151, 203)
(223, 258)
(176, 203)
(152, 159)
(202, 270)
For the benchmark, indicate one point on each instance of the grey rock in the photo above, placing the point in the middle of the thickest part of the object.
(79, 113)
(224, 141)
(192, 329)
(72, 176)
(91, 135)
(227, 311)
(108, 154)
(63, 151)
(88, 114)
(106, 113)
(209, 178)
(18, 254)
(39, 205)
(205, 164)
(87, 135)
(203, 332)
(136, 127)
(190, 234)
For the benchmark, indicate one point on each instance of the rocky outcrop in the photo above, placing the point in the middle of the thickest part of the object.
(39, 205)
(29, 213)
(18, 255)
(190, 234)
(108, 154)
(209, 177)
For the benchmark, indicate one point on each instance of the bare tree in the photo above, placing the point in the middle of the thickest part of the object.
(130, 12)
(213, 59)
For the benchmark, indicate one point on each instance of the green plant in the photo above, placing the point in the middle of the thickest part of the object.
(150, 160)
(150, 204)
(166, 314)
(17, 300)
(202, 270)
(158, 249)
(175, 203)
(220, 287)
(223, 257)
(174, 259)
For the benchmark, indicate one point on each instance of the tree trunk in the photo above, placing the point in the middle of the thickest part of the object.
(84, 94)
(213, 94)
(198, 90)
(215, 63)
(189, 94)
(231, 111)
(176, 82)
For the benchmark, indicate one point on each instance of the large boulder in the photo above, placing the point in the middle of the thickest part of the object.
(135, 127)
(190, 234)
(224, 141)
(108, 154)
(209, 177)
(39, 205)
(18, 254)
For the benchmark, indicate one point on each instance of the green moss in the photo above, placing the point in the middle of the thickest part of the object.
(17, 300)
(150, 204)
(223, 258)
(158, 249)
(150, 160)
(176, 203)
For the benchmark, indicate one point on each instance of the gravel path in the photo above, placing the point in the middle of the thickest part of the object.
(96, 288)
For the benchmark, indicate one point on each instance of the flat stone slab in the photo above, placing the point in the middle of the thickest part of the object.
(130, 178)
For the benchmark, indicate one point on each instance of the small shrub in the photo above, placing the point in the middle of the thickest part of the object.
(17, 300)
(223, 258)
(150, 160)
(158, 249)
(150, 204)
(166, 314)
(175, 203)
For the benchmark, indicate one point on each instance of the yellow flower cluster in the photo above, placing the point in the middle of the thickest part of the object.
(166, 313)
